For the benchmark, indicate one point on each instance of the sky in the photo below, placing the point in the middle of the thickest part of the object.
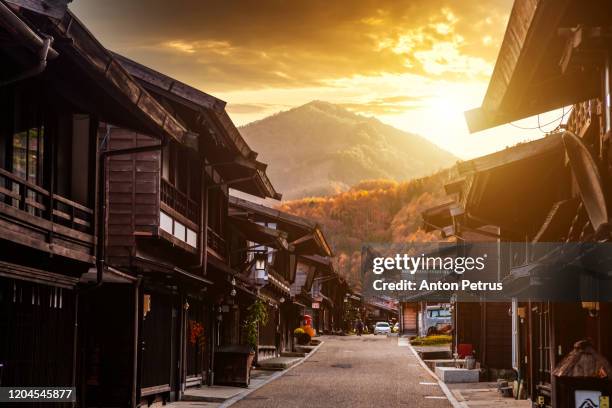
(414, 64)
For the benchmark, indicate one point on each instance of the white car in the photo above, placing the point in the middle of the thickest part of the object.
(382, 328)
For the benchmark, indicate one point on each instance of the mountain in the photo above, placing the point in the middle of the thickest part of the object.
(321, 148)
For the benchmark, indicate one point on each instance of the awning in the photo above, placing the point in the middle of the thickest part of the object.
(499, 184)
(110, 275)
(156, 266)
(305, 235)
(441, 217)
(14, 271)
(260, 234)
(549, 144)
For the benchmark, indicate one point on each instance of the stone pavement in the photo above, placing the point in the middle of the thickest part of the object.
(351, 371)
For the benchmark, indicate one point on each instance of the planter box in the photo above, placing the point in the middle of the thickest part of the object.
(233, 365)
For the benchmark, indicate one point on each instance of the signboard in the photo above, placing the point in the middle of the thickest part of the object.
(587, 398)
(316, 305)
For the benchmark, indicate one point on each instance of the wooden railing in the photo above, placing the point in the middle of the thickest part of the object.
(179, 201)
(37, 201)
(216, 242)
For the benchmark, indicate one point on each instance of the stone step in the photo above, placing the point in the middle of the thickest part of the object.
(279, 363)
(435, 354)
(292, 354)
(304, 349)
(457, 375)
(432, 364)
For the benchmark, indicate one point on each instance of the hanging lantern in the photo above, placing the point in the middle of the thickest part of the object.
(261, 260)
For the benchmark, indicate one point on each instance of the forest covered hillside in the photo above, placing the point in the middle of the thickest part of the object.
(373, 211)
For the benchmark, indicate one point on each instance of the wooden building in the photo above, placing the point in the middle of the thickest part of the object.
(115, 238)
(479, 323)
(303, 241)
(61, 91)
(167, 224)
(554, 55)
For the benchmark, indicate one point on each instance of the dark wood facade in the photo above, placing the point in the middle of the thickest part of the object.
(300, 272)
(112, 216)
(121, 245)
(537, 71)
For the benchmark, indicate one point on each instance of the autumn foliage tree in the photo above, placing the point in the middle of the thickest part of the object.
(373, 211)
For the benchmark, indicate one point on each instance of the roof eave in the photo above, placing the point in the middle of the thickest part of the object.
(531, 26)
(103, 64)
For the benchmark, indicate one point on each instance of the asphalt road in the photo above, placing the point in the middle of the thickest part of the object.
(367, 371)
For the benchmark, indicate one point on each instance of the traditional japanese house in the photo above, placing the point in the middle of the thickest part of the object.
(280, 257)
(494, 195)
(339, 292)
(555, 55)
(60, 91)
(167, 224)
(327, 296)
(481, 325)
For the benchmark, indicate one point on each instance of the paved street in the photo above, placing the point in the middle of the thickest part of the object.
(367, 371)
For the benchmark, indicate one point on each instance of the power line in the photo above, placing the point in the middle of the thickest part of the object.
(540, 126)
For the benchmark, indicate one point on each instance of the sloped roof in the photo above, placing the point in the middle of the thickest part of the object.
(529, 77)
(196, 100)
(74, 40)
(306, 234)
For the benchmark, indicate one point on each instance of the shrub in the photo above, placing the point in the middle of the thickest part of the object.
(298, 331)
(431, 340)
(257, 314)
(308, 330)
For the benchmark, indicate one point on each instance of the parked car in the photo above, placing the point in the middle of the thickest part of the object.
(437, 318)
(382, 328)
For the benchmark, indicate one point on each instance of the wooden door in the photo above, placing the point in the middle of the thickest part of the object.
(196, 342)
(36, 334)
(158, 325)
(409, 318)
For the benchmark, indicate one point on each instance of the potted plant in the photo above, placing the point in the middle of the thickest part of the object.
(303, 335)
(257, 314)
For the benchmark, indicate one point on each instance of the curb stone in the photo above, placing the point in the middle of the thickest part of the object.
(447, 392)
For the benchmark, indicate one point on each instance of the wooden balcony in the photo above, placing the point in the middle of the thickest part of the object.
(216, 243)
(32, 216)
(179, 202)
(179, 218)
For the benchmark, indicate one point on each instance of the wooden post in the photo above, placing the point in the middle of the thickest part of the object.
(136, 360)
(530, 337)
(553, 353)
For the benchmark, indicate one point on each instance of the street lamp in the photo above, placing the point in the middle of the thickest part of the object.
(261, 261)
(261, 269)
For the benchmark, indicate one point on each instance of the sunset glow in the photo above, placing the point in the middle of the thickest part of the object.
(416, 65)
